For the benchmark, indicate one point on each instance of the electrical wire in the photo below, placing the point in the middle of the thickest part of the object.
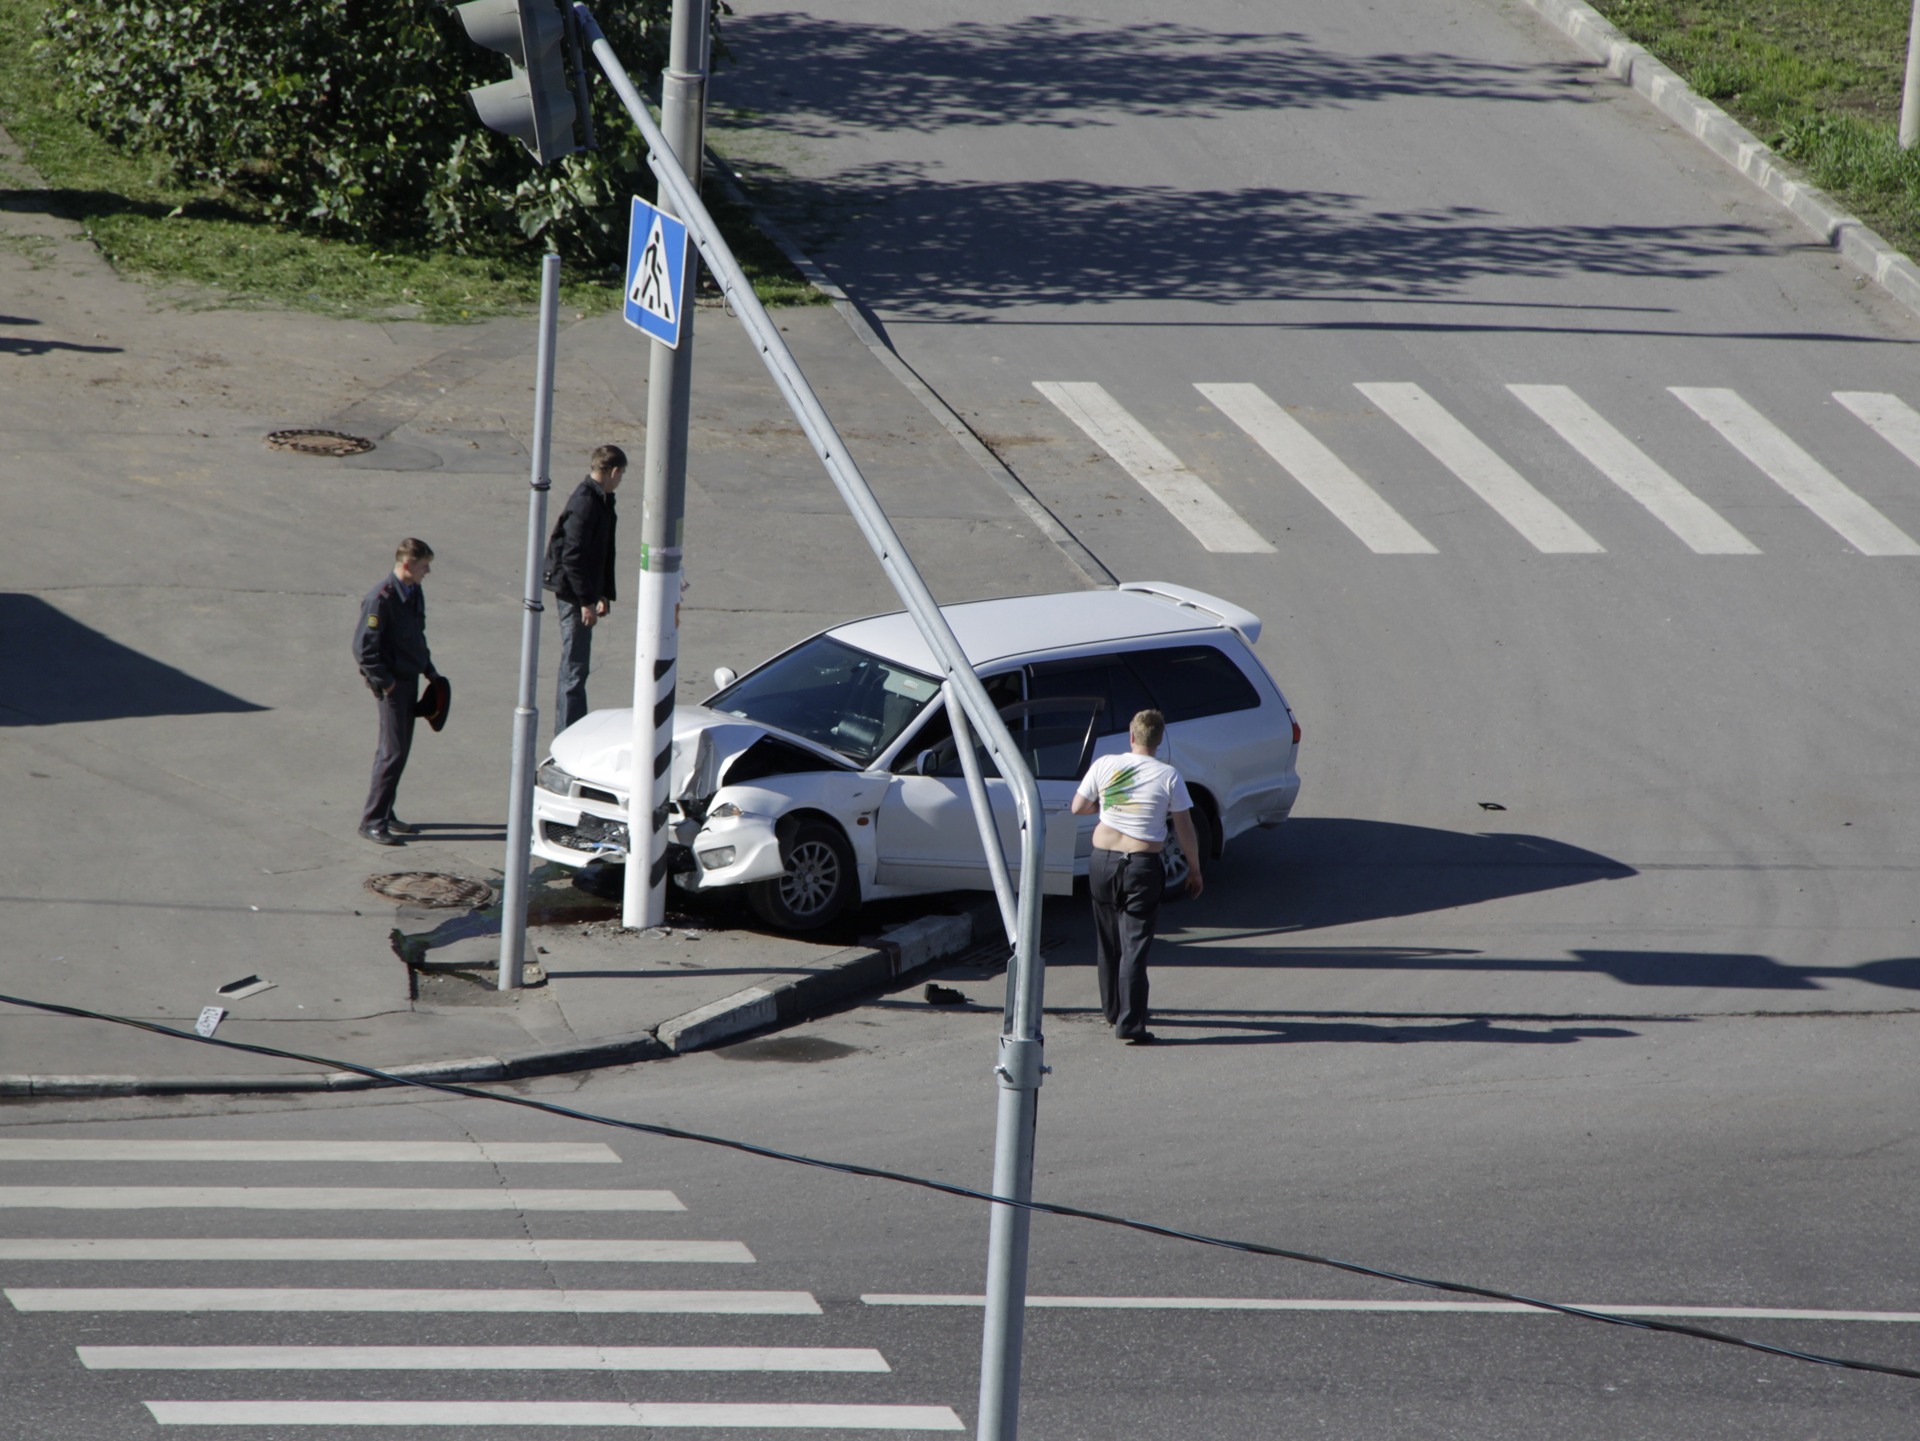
(1044, 1208)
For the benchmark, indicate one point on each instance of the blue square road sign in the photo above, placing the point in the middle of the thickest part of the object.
(656, 267)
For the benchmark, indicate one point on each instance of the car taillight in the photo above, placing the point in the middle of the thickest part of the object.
(1296, 728)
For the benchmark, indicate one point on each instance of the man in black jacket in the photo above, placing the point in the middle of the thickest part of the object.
(580, 574)
(390, 646)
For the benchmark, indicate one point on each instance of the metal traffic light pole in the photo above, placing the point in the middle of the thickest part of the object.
(538, 107)
(1019, 1066)
(526, 713)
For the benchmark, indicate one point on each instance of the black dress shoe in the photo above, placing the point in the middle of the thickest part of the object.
(401, 828)
(381, 836)
(1139, 1038)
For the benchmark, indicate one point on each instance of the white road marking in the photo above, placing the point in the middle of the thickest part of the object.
(499, 1152)
(332, 1198)
(1545, 526)
(358, 1299)
(1354, 503)
(1499, 1308)
(1796, 472)
(1188, 498)
(330, 1248)
(1633, 470)
(1891, 417)
(767, 1415)
(481, 1358)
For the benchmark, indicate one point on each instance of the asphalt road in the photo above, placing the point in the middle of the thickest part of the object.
(1731, 1164)
(1640, 1034)
(1635, 750)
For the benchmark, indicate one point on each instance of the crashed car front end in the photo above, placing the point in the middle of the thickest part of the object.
(722, 829)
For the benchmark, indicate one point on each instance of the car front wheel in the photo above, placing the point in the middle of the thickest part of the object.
(817, 884)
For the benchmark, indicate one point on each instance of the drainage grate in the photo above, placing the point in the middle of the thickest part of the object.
(319, 442)
(430, 888)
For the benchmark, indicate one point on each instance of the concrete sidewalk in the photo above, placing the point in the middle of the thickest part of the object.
(184, 742)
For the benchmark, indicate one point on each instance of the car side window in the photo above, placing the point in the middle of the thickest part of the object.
(1106, 677)
(1054, 737)
(1190, 681)
(937, 733)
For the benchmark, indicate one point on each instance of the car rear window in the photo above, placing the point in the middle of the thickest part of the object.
(1190, 681)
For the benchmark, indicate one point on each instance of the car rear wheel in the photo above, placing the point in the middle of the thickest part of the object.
(817, 885)
(1174, 857)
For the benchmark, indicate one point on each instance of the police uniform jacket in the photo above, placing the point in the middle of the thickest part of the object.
(391, 640)
(580, 550)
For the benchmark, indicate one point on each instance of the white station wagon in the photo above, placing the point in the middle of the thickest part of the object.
(829, 775)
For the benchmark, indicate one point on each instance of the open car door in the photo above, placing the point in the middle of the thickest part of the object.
(926, 832)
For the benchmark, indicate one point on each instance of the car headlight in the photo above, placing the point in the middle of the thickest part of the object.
(551, 778)
(725, 811)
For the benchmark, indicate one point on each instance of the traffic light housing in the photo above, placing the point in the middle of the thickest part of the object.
(536, 106)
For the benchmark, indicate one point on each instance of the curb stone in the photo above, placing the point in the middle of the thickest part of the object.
(1739, 147)
(846, 974)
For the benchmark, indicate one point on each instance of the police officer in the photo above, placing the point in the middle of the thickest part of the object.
(579, 572)
(390, 646)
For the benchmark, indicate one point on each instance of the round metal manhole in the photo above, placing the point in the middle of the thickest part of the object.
(430, 888)
(319, 442)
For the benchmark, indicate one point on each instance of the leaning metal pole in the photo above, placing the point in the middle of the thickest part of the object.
(1019, 1065)
(526, 716)
(663, 507)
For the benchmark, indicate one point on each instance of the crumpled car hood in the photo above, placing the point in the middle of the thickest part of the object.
(599, 748)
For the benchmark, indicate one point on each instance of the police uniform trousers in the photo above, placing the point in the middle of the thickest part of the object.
(1126, 888)
(396, 740)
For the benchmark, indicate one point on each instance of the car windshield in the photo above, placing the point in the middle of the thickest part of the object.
(833, 694)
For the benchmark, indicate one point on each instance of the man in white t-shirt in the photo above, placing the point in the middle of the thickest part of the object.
(1135, 795)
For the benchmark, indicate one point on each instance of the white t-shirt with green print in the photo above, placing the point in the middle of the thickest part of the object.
(1135, 794)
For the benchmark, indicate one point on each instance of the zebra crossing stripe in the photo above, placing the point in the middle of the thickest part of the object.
(492, 1152)
(331, 1198)
(839, 1359)
(1796, 472)
(772, 1416)
(1891, 418)
(359, 1299)
(1353, 502)
(332, 1248)
(1187, 498)
(1633, 470)
(1544, 525)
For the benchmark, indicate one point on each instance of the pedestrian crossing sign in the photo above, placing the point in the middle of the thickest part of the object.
(656, 268)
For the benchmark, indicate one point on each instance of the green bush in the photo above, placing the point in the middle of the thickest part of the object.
(347, 120)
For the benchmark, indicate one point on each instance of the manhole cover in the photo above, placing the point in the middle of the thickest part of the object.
(319, 442)
(430, 888)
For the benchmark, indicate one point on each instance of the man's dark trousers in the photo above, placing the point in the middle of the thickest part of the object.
(1126, 888)
(396, 741)
(576, 658)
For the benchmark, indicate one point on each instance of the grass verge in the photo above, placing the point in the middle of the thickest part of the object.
(212, 251)
(1818, 80)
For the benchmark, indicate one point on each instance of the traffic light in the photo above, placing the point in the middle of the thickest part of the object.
(536, 107)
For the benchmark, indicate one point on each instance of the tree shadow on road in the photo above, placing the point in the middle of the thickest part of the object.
(951, 251)
(59, 671)
(822, 77)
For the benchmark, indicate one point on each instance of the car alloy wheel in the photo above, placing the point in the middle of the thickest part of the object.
(817, 884)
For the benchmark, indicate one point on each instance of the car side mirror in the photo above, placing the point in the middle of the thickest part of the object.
(723, 676)
(926, 763)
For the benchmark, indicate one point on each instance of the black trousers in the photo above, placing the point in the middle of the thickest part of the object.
(1126, 889)
(396, 740)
